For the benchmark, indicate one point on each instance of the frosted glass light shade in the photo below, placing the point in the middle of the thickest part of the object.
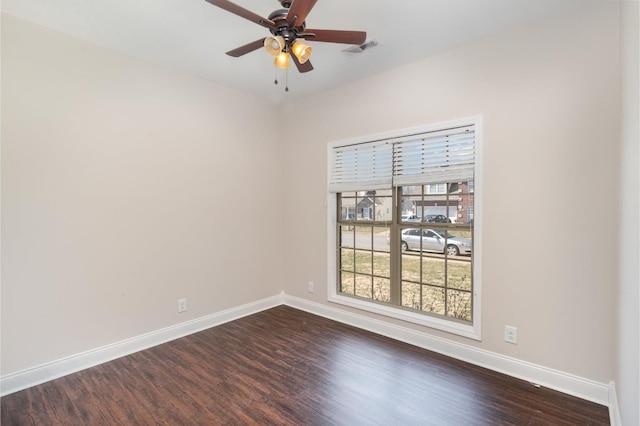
(274, 45)
(302, 51)
(283, 61)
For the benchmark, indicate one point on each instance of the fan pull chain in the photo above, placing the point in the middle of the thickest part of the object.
(275, 73)
(286, 79)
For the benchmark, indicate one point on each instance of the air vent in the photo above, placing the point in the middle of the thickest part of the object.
(357, 50)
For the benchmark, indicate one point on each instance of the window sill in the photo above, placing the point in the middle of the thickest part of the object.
(460, 329)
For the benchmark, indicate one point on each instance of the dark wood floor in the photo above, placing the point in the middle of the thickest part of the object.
(287, 367)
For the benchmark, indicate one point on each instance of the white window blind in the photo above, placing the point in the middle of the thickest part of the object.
(425, 158)
(445, 156)
(365, 166)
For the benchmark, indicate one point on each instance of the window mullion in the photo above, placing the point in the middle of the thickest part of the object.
(395, 251)
(446, 255)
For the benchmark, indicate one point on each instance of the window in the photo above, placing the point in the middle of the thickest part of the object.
(437, 188)
(420, 267)
(365, 268)
(366, 213)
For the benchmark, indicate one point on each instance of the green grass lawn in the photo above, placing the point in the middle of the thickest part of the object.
(426, 281)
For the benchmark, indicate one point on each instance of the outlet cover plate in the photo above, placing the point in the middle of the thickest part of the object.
(510, 334)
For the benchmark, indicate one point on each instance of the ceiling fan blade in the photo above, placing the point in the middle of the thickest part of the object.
(299, 9)
(306, 67)
(242, 12)
(334, 36)
(247, 48)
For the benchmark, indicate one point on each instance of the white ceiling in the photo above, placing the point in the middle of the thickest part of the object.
(193, 35)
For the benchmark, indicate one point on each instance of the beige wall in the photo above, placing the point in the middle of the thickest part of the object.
(125, 187)
(548, 96)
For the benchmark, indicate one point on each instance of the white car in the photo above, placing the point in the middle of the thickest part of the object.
(434, 241)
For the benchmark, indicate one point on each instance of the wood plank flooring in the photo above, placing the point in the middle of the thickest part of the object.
(288, 367)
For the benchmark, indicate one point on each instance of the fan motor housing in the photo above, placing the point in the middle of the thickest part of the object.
(282, 26)
(279, 15)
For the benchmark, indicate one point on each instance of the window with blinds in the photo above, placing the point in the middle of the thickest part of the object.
(426, 158)
(403, 233)
(365, 166)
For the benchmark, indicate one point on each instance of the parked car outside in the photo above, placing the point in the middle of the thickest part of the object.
(410, 218)
(437, 218)
(433, 240)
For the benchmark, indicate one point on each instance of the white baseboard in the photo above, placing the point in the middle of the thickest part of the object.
(43, 373)
(567, 383)
(614, 408)
(543, 376)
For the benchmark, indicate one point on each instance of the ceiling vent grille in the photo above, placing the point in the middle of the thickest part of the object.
(357, 50)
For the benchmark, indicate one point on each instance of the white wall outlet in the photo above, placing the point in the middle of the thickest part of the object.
(182, 305)
(510, 334)
(310, 286)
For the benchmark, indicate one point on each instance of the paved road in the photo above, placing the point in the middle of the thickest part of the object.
(363, 241)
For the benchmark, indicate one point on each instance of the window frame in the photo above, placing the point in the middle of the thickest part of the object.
(473, 330)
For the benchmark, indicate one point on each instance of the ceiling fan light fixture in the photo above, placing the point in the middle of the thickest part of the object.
(283, 61)
(274, 45)
(286, 25)
(302, 51)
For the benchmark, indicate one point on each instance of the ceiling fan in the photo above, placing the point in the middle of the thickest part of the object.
(287, 26)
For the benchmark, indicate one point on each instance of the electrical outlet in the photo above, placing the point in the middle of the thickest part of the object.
(182, 305)
(310, 286)
(510, 334)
